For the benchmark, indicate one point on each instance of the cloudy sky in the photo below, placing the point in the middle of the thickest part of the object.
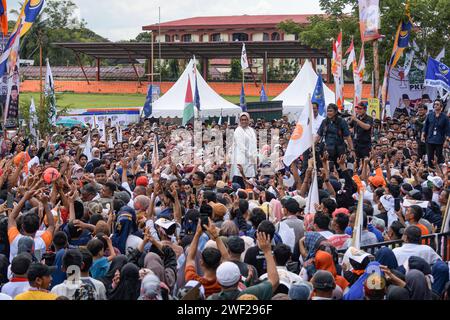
(123, 19)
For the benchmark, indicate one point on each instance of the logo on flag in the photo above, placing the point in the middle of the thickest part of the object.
(244, 60)
(437, 75)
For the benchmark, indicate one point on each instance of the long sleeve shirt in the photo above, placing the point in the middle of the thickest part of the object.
(436, 129)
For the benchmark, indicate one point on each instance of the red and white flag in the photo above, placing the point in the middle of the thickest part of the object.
(336, 67)
(351, 56)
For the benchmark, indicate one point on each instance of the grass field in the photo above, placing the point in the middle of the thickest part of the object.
(84, 101)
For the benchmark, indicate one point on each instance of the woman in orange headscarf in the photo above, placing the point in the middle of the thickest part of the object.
(324, 261)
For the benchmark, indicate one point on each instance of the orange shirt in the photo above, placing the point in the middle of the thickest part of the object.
(210, 286)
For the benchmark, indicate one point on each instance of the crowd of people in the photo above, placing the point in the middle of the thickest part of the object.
(125, 222)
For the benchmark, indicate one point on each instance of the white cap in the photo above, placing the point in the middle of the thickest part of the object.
(164, 223)
(228, 274)
(437, 181)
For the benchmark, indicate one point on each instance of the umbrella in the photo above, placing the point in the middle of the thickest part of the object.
(67, 122)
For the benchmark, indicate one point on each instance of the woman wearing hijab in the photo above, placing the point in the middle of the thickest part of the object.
(116, 265)
(150, 288)
(129, 284)
(386, 257)
(397, 293)
(244, 151)
(308, 246)
(324, 261)
(417, 285)
(155, 263)
(124, 227)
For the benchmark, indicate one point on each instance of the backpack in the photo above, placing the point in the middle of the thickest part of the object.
(86, 291)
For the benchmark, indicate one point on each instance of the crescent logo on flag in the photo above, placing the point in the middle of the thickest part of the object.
(443, 69)
(298, 132)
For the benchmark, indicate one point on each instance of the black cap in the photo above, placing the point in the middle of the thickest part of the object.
(236, 244)
(323, 280)
(291, 205)
(21, 263)
(37, 270)
(405, 96)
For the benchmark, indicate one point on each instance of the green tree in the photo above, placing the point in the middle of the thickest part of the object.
(236, 70)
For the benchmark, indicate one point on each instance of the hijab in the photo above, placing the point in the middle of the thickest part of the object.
(417, 285)
(276, 209)
(125, 225)
(386, 257)
(324, 261)
(150, 288)
(356, 291)
(397, 293)
(154, 262)
(312, 243)
(129, 286)
(116, 264)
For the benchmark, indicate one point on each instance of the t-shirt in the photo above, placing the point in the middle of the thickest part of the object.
(41, 242)
(423, 229)
(339, 241)
(66, 290)
(211, 286)
(16, 286)
(255, 257)
(263, 291)
(99, 268)
(36, 295)
(362, 137)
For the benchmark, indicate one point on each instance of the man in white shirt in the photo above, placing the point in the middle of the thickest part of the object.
(19, 282)
(79, 286)
(317, 118)
(412, 247)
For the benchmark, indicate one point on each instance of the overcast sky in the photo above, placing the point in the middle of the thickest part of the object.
(123, 19)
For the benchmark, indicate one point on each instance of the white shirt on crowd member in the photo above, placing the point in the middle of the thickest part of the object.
(408, 250)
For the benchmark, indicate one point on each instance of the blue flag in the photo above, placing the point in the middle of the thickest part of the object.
(243, 104)
(263, 96)
(148, 102)
(318, 96)
(438, 75)
(197, 95)
(405, 32)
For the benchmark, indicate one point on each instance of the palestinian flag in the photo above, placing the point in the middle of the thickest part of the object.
(188, 112)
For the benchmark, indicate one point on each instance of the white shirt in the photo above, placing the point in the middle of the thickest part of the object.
(286, 277)
(4, 297)
(12, 289)
(408, 250)
(64, 289)
(317, 122)
(244, 152)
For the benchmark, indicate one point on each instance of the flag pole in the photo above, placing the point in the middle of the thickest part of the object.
(312, 133)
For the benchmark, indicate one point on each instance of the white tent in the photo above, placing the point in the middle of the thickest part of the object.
(295, 97)
(171, 104)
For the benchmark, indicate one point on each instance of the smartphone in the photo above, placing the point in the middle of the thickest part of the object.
(10, 201)
(397, 204)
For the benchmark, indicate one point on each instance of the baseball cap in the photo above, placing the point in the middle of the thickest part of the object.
(323, 280)
(300, 200)
(122, 195)
(300, 290)
(340, 210)
(355, 254)
(219, 210)
(142, 181)
(415, 194)
(236, 244)
(164, 223)
(37, 270)
(377, 181)
(21, 263)
(228, 274)
(437, 181)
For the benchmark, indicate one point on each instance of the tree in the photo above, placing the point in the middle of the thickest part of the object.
(236, 70)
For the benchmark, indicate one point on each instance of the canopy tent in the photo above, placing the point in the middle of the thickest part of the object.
(295, 96)
(171, 104)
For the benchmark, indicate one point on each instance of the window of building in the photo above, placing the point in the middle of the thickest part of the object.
(240, 37)
(186, 38)
(275, 36)
(215, 37)
(167, 38)
(266, 36)
(176, 37)
(321, 61)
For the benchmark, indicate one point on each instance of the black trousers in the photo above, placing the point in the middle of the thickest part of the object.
(434, 149)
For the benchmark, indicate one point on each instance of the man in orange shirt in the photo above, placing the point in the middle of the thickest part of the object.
(413, 216)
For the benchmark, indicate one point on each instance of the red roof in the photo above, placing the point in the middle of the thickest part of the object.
(226, 21)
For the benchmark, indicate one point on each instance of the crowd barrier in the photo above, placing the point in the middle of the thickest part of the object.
(440, 242)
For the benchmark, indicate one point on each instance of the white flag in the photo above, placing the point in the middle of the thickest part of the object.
(33, 119)
(351, 56)
(408, 62)
(357, 229)
(313, 195)
(88, 147)
(110, 142)
(102, 131)
(244, 60)
(441, 55)
(301, 138)
(119, 133)
(50, 93)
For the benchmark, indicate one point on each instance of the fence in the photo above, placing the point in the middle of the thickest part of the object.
(440, 242)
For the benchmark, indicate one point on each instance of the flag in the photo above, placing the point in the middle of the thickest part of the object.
(33, 119)
(438, 75)
(313, 195)
(102, 131)
(401, 41)
(155, 156)
(29, 14)
(4, 17)
(242, 102)
(358, 227)
(408, 62)
(196, 94)
(336, 67)
(88, 147)
(119, 133)
(359, 77)
(10, 54)
(351, 55)
(263, 96)
(301, 137)
(148, 102)
(188, 112)
(50, 93)
(369, 19)
(110, 142)
(220, 119)
(441, 55)
(319, 96)
(244, 60)
(10, 67)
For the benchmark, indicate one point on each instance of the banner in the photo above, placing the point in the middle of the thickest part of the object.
(369, 19)
(11, 106)
(373, 108)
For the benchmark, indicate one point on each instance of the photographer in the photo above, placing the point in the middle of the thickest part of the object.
(334, 130)
(362, 131)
